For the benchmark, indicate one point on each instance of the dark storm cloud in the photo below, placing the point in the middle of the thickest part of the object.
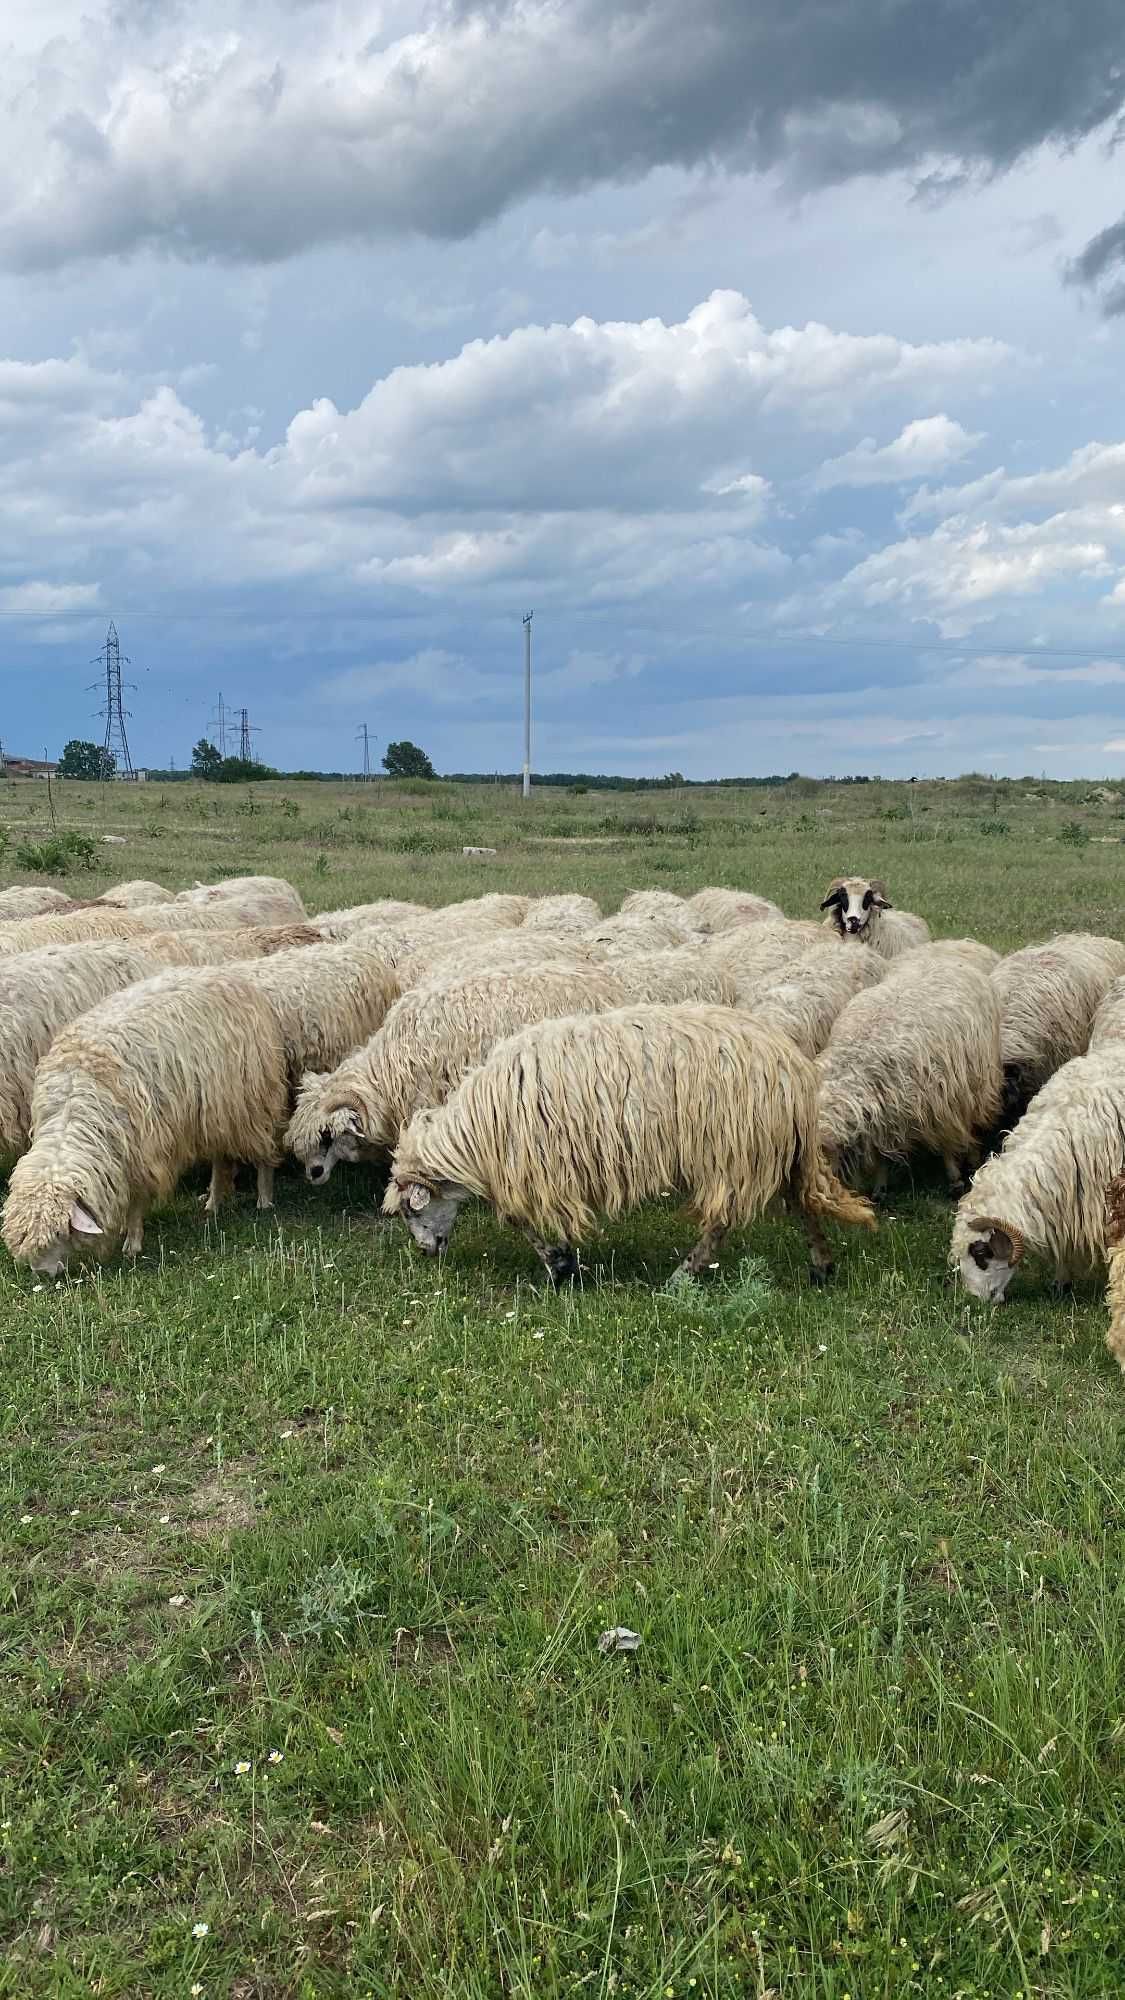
(256, 147)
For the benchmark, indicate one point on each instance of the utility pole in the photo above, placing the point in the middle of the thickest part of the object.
(527, 618)
(3, 763)
(361, 737)
(246, 729)
(222, 722)
(116, 741)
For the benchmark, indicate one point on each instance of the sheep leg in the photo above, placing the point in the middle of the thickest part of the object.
(222, 1185)
(134, 1229)
(265, 1184)
(957, 1171)
(821, 1265)
(702, 1254)
(560, 1260)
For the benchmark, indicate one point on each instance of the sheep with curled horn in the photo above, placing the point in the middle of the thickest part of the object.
(592, 1115)
(861, 912)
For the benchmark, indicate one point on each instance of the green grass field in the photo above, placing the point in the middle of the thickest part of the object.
(306, 1545)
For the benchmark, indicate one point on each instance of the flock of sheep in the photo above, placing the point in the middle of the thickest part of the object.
(561, 1065)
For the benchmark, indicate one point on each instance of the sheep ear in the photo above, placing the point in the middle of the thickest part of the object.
(417, 1199)
(1115, 1211)
(82, 1222)
(352, 1124)
(835, 895)
(879, 896)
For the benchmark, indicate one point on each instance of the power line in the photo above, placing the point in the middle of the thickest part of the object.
(361, 734)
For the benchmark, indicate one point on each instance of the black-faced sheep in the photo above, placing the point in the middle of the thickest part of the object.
(592, 1115)
(861, 912)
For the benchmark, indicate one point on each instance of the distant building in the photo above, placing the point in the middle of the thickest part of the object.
(29, 767)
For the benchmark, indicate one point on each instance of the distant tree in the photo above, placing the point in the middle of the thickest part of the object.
(205, 760)
(405, 760)
(86, 760)
(243, 771)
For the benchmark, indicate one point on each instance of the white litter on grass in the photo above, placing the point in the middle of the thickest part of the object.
(619, 1639)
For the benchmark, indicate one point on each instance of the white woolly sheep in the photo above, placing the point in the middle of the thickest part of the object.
(714, 911)
(40, 992)
(617, 937)
(1049, 995)
(267, 899)
(31, 933)
(136, 895)
(912, 1065)
(563, 914)
(26, 900)
(861, 912)
(328, 999)
(1115, 1290)
(593, 1115)
(502, 951)
(760, 952)
(1045, 1191)
(428, 1041)
(673, 977)
(496, 908)
(333, 924)
(805, 999)
(227, 947)
(969, 950)
(1109, 1021)
(185, 1067)
(656, 905)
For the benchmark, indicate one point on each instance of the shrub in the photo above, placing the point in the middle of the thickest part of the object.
(58, 855)
(996, 829)
(1074, 834)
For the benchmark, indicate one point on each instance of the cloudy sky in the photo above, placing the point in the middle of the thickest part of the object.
(772, 350)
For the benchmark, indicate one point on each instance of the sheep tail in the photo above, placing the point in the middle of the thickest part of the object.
(823, 1194)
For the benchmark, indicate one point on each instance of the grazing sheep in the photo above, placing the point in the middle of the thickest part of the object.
(185, 1067)
(428, 1041)
(267, 899)
(861, 912)
(912, 1065)
(805, 999)
(40, 992)
(136, 895)
(595, 1114)
(333, 924)
(25, 900)
(716, 910)
(656, 905)
(671, 977)
(969, 950)
(1115, 1291)
(1045, 1190)
(1049, 995)
(563, 914)
(617, 937)
(328, 999)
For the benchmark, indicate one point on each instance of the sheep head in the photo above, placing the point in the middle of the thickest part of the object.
(47, 1226)
(855, 903)
(430, 1213)
(987, 1254)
